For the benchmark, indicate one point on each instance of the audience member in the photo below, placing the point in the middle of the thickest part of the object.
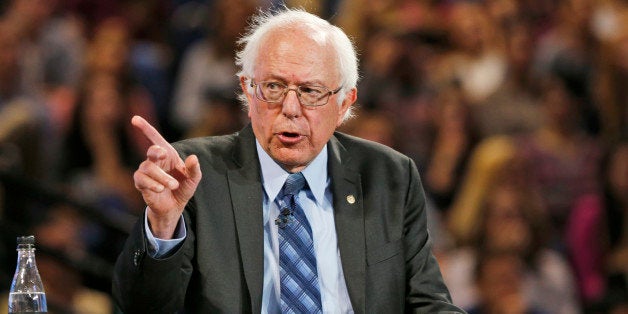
(21, 121)
(596, 235)
(223, 116)
(454, 140)
(616, 203)
(560, 156)
(611, 94)
(566, 50)
(512, 221)
(150, 57)
(500, 278)
(50, 44)
(216, 52)
(22, 125)
(100, 148)
(512, 108)
(478, 61)
(485, 162)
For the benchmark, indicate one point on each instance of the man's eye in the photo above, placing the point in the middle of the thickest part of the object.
(311, 90)
(274, 86)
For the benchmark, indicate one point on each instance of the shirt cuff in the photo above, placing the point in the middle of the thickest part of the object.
(158, 248)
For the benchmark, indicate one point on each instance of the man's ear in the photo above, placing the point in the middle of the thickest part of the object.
(245, 91)
(244, 85)
(350, 98)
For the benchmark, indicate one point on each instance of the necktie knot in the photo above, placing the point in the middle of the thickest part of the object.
(294, 183)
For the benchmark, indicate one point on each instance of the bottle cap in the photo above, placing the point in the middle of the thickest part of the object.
(26, 240)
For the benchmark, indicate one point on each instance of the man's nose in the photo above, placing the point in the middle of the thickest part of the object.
(291, 104)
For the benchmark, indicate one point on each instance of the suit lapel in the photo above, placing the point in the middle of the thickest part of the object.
(246, 195)
(349, 220)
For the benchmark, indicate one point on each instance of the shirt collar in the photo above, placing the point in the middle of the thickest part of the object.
(274, 176)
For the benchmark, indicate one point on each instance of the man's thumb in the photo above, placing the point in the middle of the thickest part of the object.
(193, 168)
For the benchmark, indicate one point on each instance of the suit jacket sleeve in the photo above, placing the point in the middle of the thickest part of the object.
(142, 284)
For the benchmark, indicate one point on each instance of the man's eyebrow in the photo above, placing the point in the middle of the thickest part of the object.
(275, 78)
(281, 79)
(313, 82)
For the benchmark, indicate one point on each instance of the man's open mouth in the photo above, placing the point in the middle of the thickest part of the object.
(289, 138)
(290, 134)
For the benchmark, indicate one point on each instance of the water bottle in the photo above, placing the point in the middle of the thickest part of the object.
(27, 291)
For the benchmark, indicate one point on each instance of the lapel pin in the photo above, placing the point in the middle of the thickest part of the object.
(350, 199)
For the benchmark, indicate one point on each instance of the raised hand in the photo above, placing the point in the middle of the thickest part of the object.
(166, 181)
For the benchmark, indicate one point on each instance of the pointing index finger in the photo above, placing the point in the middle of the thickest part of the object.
(149, 131)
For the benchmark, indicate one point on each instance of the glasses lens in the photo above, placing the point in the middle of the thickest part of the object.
(270, 91)
(313, 95)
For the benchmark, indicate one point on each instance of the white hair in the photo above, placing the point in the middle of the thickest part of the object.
(318, 29)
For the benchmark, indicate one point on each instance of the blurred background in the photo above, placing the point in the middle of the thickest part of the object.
(515, 111)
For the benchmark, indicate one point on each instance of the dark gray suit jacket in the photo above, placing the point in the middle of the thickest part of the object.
(382, 236)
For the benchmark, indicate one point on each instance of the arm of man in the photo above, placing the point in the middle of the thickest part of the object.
(146, 284)
(142, 283)
(161, 248)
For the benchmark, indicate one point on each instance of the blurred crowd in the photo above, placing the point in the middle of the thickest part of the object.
(515, 112)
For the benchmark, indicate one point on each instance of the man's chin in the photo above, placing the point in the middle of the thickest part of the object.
(290, 159)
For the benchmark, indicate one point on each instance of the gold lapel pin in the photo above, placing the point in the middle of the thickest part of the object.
(350, 199)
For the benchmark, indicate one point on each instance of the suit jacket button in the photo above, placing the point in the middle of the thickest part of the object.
(137, 258)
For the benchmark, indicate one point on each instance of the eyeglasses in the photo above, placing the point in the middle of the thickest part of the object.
(309, 95)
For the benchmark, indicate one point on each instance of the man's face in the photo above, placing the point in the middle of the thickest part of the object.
(292, 134)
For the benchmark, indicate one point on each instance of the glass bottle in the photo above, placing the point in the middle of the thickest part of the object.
(27, 291)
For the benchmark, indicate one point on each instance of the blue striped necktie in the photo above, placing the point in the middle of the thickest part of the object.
(300, 292)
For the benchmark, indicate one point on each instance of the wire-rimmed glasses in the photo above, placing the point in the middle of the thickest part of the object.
(308, 95)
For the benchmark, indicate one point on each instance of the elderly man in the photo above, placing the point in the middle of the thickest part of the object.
(286, 215)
